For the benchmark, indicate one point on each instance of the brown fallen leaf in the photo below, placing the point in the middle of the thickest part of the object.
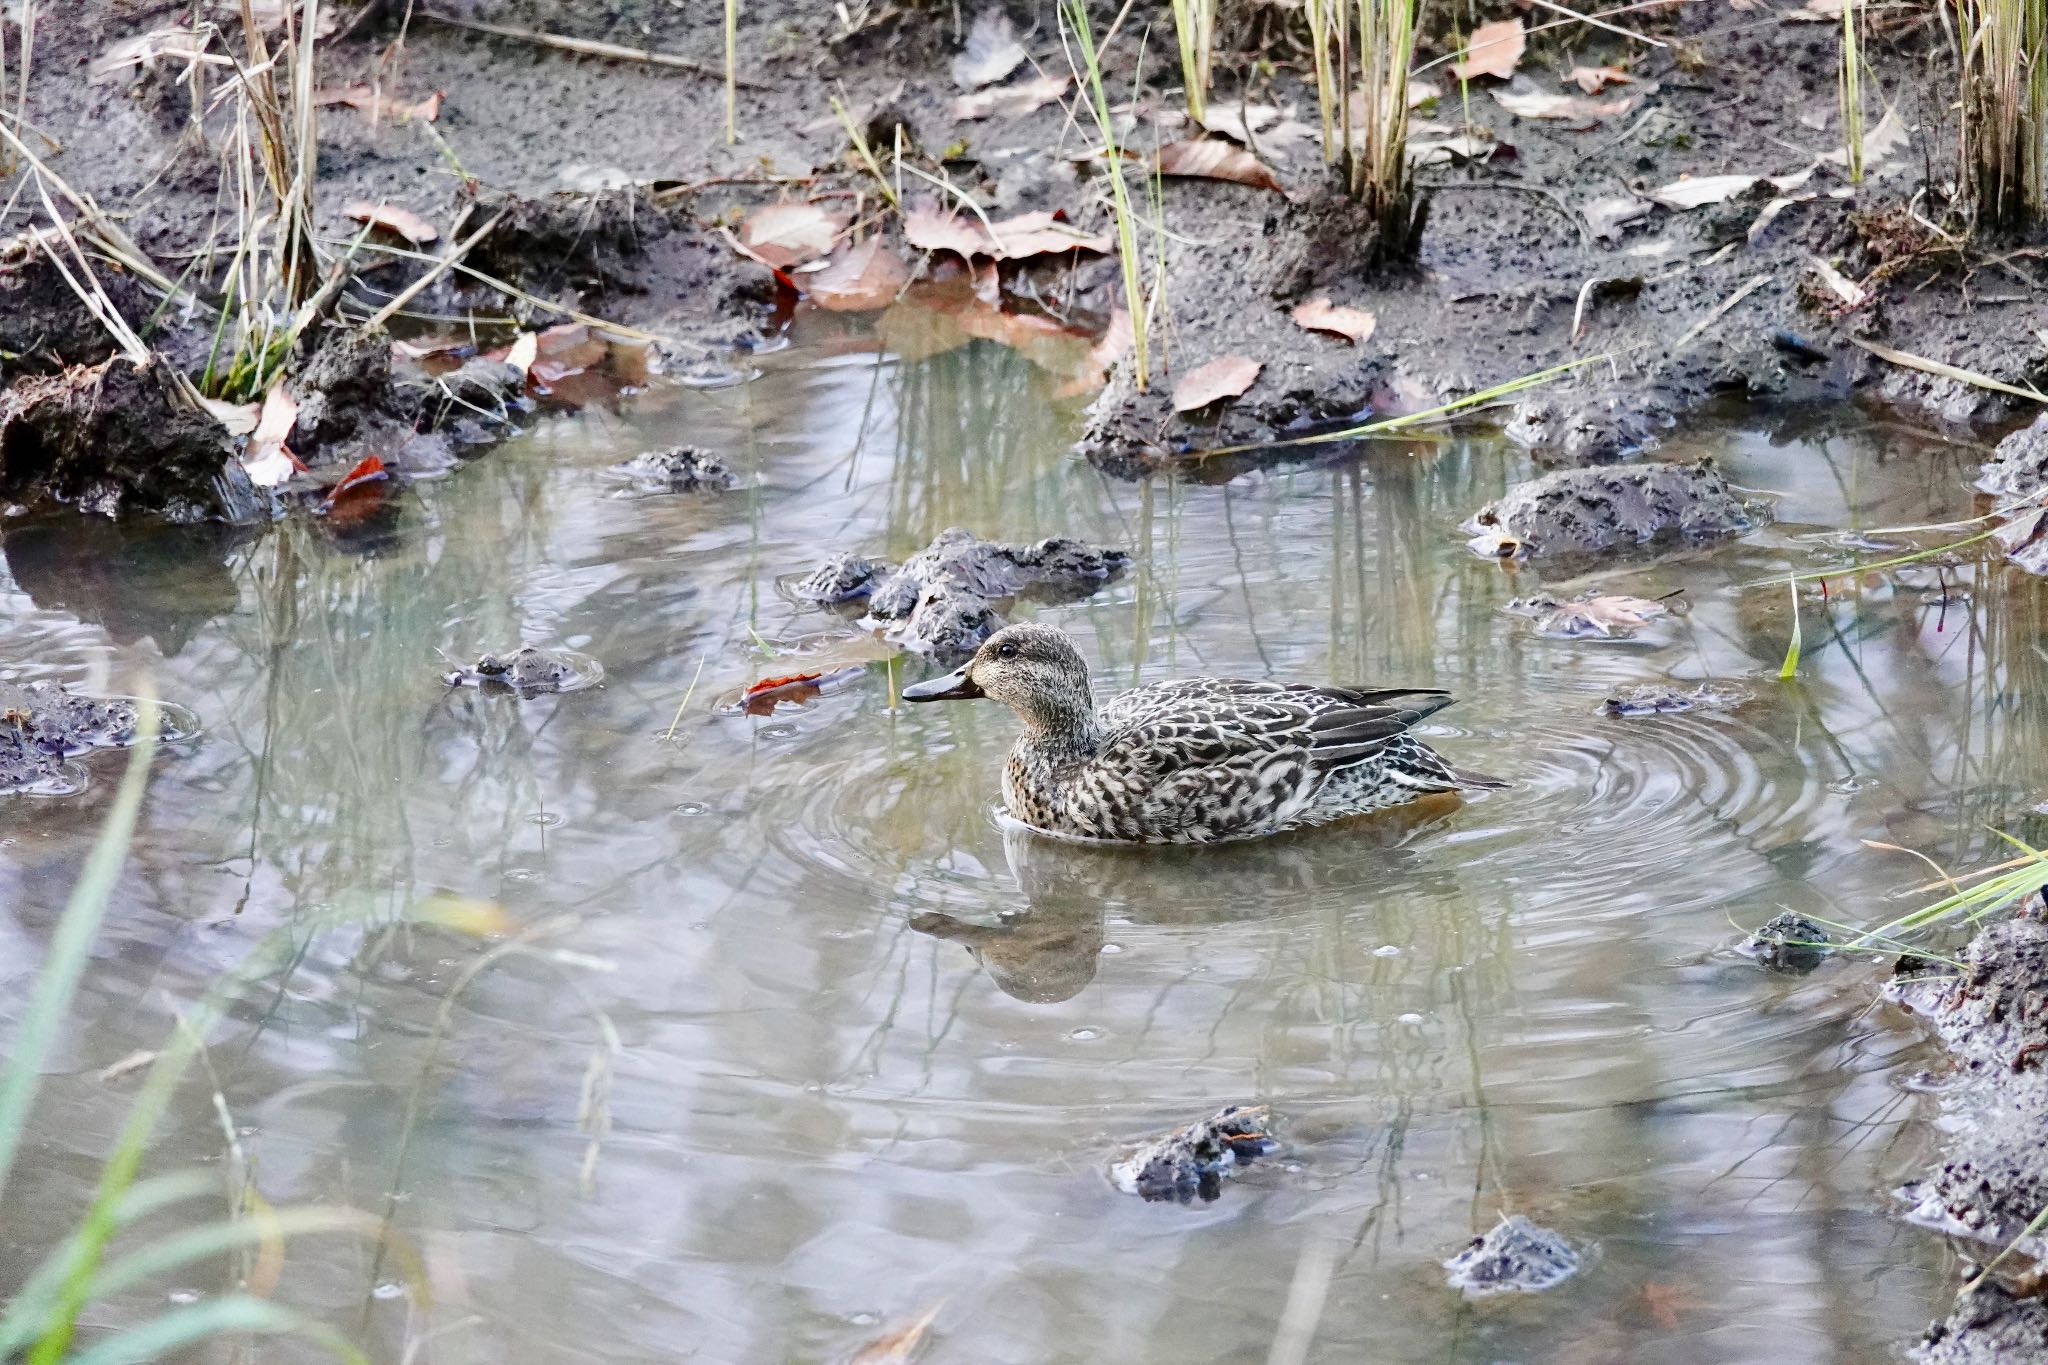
(392, 218)
(1609, 616)
(384, 106)
(1212, 158)
(1008, 239)
(859, 279)
(267, 459)
(1011, 101)
(1494, 50)
(783, 235)
(898, 1347)
(1594, 79)
(1320, 315)
(1224, 377)
(570, 346)
(1541, 104)
(145, 50)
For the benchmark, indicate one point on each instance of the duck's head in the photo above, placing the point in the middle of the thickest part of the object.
(1034, 670)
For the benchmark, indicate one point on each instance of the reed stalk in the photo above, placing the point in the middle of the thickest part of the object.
(2005, 111)
(1087, 65)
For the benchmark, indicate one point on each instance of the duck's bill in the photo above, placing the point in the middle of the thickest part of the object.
(954, 686)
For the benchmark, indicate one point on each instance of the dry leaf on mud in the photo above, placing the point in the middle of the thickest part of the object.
(783, 235)
(1494, 50)
(271, 14)
(1010, 239)
(1263, 127)
(381, 106)
(1011, 101)
(1460, 149)
(859, 279)
(898, 1347)
(1696, 191)
(266, 457)
(1320, 315)
(1607, 217)
(524, 350)
(145, 50)
(239, 419)
(1224, 377)
(1880, 144)
(992, 52)
(1594, 79)
(1211, 158)
(1540, 104)
(392, 218)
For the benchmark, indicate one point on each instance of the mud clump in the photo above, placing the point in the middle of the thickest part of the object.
(1190, 1163)
(527, 672)
(590, 242)
(2018, 475)
(43, 324)
(343, 383)
(1992, 1178)
(678, 469)
(1666, 699)
(942, 600)
(478, 403)
(1516, 1257)
(1587, 429)
(1589, 511)
(118, 436)
(1789, 943)
(42, 725)
(1990, 1325)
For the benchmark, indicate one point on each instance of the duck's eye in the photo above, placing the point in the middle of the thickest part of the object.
(1006, 651)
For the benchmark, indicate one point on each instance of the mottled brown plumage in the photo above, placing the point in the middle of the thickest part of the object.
(1198, 760)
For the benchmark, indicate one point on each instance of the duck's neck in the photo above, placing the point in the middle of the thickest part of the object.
(1061, 729)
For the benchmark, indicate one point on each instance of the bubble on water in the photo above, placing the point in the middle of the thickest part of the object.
(183, 1296)
(1084, 1035)
(1387, 950)
(524, 874)
(390, 1289)
(1850, 785)
(778, 731)
(1109, 948)
(546, 819)
(692, 808)
(863, 1319)
(1410, 1019)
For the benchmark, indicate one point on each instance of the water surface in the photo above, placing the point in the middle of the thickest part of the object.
(789, 1040)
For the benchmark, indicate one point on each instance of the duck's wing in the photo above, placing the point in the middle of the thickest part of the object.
(1220, 755)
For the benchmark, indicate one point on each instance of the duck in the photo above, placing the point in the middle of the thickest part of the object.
(1196, 760)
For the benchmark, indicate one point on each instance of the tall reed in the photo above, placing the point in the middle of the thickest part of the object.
(2005, 110)
(1194, 24)
(1362, 94)
(1088, 71)
(1849, 83)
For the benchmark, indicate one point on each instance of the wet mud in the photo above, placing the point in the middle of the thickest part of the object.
(1190, 1163)
(1515, 1257)
(1589, 511)
(527, 672)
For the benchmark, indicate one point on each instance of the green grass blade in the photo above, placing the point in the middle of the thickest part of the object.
(1790, 669)
(71, 944)
(167, 1332)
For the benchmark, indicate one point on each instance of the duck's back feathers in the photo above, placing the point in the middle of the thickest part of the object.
(1217, 758)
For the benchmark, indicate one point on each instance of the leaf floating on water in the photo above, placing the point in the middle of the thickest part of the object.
(382, 106)
(859, 279)
(1011, 101)
(1609, 616)
(1212, 158)
(898, 1347)
(783, 235)
(1495, 50)
(369, 470)
(393, 218)
(992, 52)
(465, 914)
(1320, 315)
(1224, 377)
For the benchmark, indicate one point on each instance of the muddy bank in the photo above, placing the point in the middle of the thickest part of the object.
(609, 189)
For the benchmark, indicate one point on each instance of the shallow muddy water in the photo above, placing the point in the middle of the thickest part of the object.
(872, 1050)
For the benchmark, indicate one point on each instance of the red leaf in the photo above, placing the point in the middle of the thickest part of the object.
(392, 218)
(859, 279)
(369, 470)
(1320, 315)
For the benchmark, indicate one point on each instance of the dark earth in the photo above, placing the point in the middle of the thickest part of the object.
(1190, 1163)
(1515, 1256)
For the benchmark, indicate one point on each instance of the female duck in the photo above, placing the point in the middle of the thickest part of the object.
(1198, 760)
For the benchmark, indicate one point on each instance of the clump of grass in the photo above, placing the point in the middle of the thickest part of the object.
(1362, 94)
(1992, 890)
(2005, 110)
(1194, 24)
(1088, 71)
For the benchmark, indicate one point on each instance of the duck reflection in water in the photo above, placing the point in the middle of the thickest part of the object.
(1047, 951)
